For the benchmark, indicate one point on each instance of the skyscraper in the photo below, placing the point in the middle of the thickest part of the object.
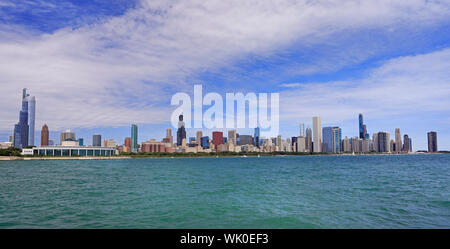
(257, 137)
(169, 136)
(134, 138)
(383, 139)
(398, 141)
(67, 135)
(406, 144)
(44, 135)
(302, 130)
(198, 138)
(317, 135)
(432, 141)
(97, 140)
(217, 138)
(21, 129)
(205, 142)
(232, 137)
(361, 126)
(181, 132)
(308, 142)
(31, 118)
(332, 138)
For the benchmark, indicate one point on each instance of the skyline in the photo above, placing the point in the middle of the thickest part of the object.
(99, 67)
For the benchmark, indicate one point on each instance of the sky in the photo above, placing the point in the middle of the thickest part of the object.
(98, 66)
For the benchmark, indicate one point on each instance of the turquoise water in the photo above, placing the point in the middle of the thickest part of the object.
(406, 191)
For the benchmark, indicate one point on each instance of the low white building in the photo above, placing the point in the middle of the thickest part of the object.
(69, 151)
(5, 145)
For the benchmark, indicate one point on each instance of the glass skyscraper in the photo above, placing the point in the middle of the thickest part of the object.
(22, 129)
(134, 138)
(257, 135)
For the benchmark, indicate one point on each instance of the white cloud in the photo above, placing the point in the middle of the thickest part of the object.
(124, 69)
(409, 85)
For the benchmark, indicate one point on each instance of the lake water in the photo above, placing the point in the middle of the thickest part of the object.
(404, 191)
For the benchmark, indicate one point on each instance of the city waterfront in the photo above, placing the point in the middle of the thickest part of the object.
(395, 191)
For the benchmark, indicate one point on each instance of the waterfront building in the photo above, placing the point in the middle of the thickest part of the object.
(181, 132)
(69, 143)
(383, 142)
(80, 142)
(97, 140)
(346, 145)
(134, 138)
(110, 143)
(153, 146)
(198, 137)
(217, 138)
(245, 140)
(294, 143)
(67, 135)
(205, 142)
(232, 137)
(70, 151)
(398, 141)
(327, 145)
(169, 137)
(31, 118)
(5, 145)
(308, 138)
(257, 137)
(301, 144)
(317, 135)
(44, 135)
(432, 141)
(406, 143)
(21, 129)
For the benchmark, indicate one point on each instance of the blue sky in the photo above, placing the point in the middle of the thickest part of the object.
(98, 66)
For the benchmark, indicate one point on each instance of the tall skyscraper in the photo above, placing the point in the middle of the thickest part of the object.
(361, 126)
(432, 141)
(134, 138)
(332, 138)
(181, 132)
(31, 118)
(398, 141)
(383, 139)
(302, 130)
(66, 136)
(308, 145)
(217, 138)
(232, 137)
(169, 136)
(198, 137)
(21, 129)
(317, 134)
(97, 140)
(406, 143)
(257, 137)
(205, 142)
(44, 135)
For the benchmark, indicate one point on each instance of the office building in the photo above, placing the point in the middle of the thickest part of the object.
(205, 142)
(308, 138)
(302, 130)
(232, 137)
(21, 129)
(80, 142)
(97, 140)
(398, 141)
(245, 140)
(31, 119)
(317, 135)
(67, 135)
(257, 137)
(383, 142)
(110, 143)
(169, 137)
(300, 144)
(217, 138)
(181, 132)
(44, 135)
(406, 143)
(432, 141)
(198, 137)
(134, 138)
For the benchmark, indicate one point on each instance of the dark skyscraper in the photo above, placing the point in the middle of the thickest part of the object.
(432, 141)
(257, 134)
(361, 126)
(97, 140)
(181, 132)
(21, 129)
(44, 135)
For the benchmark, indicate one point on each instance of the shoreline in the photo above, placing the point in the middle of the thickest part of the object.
(18, 158)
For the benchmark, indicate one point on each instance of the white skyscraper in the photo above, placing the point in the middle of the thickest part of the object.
(398, 140)
(317, 134)
(302, 130)
(31, 119)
